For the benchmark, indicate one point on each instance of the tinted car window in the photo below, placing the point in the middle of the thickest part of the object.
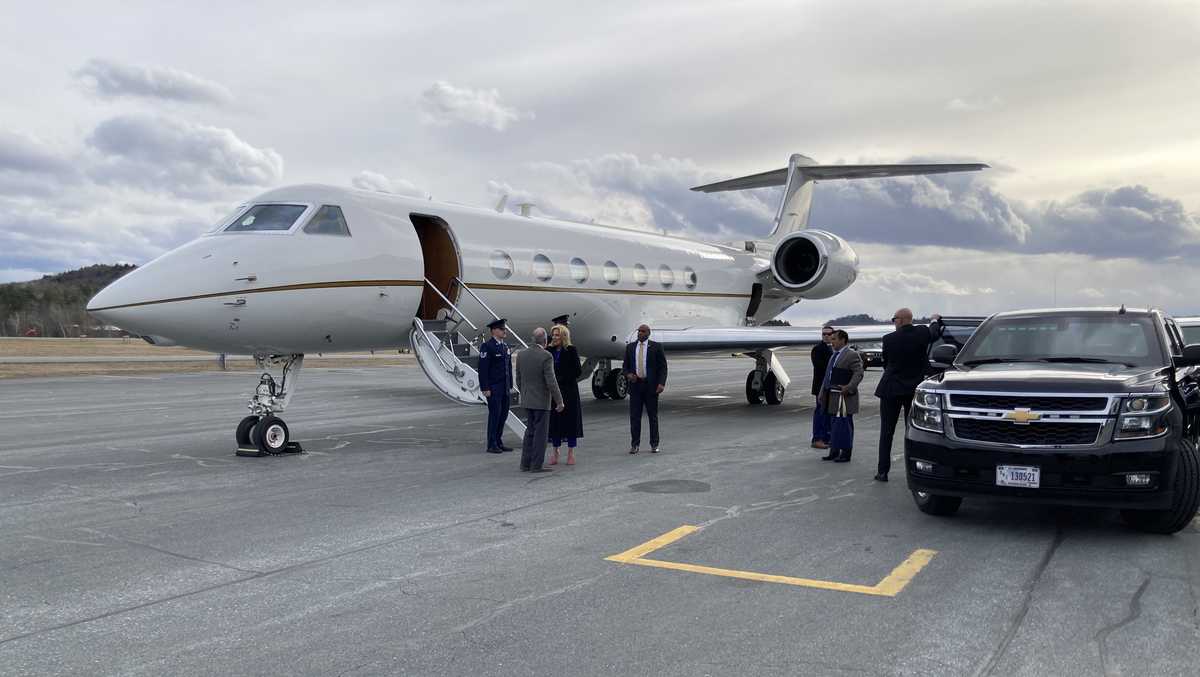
(261, 218)
(1190, 335)
(1116, 338)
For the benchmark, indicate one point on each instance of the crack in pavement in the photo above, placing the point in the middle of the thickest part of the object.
(1135, 610)
(989, 667)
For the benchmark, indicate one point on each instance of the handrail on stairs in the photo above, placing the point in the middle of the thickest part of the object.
(485, 307)
(436, 350)
(451, 303)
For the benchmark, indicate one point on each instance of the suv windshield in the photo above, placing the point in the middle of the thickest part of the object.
(1083, 337)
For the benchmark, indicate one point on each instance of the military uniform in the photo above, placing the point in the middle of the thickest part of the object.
(496, 376)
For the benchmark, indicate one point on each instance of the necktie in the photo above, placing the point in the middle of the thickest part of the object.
(829, 369)
(641, 359)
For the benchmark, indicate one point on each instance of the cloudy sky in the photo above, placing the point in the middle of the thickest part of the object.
(125, 133)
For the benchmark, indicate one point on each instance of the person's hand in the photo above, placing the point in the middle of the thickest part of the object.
(936, 317)
(631, 377)
(559, 408)
(487, 393)
(849, 391)
(660, 388)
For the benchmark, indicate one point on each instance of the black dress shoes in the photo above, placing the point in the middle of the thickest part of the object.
(524, 469)
(633, 450)
(541, 470)
(504, 448)
(844, 458)
(494, 450)
(654, 450)
(881, 477)
(832, 456)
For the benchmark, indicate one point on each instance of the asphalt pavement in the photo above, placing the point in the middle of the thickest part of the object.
(133, 542)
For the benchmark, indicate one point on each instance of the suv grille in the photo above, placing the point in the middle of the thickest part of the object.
(1034, 402)
(1039, 434)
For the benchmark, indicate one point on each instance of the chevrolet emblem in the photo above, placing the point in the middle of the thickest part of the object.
(1022, 416)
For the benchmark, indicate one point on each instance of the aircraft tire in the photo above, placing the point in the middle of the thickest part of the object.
(753, 395)
(615, 385)
(773, 390)
(599, 379)
(271, 435)
(243, 431)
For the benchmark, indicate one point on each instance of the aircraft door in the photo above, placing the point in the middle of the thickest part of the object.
(442, 264)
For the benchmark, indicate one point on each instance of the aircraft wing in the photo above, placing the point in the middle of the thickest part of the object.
(746, 339)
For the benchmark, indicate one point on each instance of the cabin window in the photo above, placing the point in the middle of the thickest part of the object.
(502, 265)
(666, 275)
(260, 218)
(612, 272)
(579, 270)
(328, 221)
(689, 278)
(543, 269)
(640, 275)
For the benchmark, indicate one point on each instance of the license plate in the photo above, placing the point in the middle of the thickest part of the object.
(1027, 476)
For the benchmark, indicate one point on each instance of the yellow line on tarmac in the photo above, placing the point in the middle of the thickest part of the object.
(890, 586)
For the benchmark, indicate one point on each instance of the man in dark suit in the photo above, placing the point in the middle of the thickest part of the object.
(495, 380)
(646, 372)
(905, 361)
(839, 396)
(820, 362)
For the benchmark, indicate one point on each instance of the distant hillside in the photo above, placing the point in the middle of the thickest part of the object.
(856, 320)
(54, 305)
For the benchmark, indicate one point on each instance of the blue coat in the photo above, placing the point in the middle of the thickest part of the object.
(495, 366)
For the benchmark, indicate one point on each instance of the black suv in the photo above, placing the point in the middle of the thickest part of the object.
(1078, 407)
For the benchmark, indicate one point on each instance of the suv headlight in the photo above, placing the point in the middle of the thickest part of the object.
(927, 411)
(1143, 417)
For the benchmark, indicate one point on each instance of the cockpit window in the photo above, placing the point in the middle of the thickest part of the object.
(328, 221)
(266, 217)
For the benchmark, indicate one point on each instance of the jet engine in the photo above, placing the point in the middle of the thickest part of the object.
(814, 264)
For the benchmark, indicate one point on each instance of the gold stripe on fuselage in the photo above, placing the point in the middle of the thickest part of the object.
(418, 283)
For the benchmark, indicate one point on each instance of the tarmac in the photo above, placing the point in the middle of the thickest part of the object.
(133, 542)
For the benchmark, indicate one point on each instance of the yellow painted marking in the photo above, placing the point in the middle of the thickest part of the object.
(890, 586)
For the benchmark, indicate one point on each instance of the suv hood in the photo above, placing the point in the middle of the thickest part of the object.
(1052, 378)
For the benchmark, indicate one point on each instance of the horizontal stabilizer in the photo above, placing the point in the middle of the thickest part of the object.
(779, 177)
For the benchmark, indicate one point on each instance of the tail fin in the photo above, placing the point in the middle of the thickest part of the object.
(802, 171)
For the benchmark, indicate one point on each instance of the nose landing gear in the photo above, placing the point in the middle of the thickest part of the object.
(262, 433)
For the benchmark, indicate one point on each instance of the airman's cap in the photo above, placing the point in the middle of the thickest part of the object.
(498, 324)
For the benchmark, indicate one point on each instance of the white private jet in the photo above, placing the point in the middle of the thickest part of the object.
(312, 268)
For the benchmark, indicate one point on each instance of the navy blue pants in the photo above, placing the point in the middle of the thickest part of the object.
(643, 395)
(820, 425)
(841, 436)
(497, 415)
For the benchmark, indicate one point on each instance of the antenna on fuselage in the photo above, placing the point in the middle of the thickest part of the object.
(503, 201)
(526, 208)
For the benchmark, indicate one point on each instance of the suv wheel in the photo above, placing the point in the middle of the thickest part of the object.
(933, 504)
(1187, 497)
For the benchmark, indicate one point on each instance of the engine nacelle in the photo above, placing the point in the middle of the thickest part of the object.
(814, 264)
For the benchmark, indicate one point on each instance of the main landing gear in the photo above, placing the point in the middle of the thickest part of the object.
(263, 433)
(762, 383)
(608, 383)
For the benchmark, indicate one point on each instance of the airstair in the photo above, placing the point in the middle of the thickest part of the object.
(451, 360)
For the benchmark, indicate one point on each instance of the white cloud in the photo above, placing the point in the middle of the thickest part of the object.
(369, 180)
(20, 275)
(897, 281)
(443, 104)
(178, 156)
(972, 104)
(109, 80)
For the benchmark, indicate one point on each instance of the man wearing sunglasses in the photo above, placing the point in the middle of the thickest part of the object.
(905, 360)
(820, 361)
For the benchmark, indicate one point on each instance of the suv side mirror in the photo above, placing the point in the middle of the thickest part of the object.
(944, 355)
(1190, 357)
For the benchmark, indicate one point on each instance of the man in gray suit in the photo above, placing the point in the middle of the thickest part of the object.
(839, 396)
(539, 391)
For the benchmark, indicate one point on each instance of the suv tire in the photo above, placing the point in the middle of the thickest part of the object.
(934, 504)
(1187, 497)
